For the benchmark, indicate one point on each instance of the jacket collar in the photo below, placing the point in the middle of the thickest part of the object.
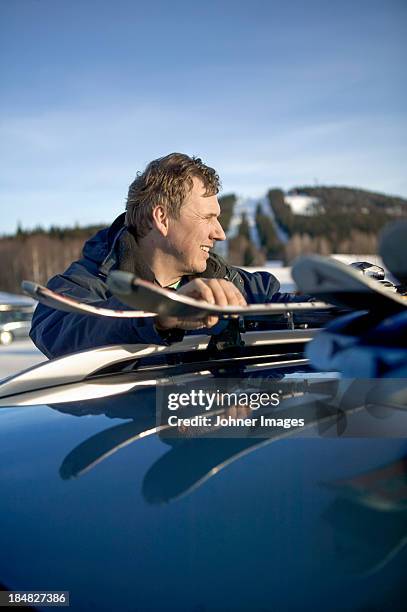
(114, 233)
(130, 259)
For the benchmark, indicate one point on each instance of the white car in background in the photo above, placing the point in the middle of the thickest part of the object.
(15, 317)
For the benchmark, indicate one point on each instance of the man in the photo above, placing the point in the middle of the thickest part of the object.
(166, 236)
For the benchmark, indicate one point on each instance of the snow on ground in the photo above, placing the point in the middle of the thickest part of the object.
(282, 273)
(248, 207)
(15, 299)
(281, 234)
(18, 356)
(301, 204)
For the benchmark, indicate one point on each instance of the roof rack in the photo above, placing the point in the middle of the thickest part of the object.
(110, 370)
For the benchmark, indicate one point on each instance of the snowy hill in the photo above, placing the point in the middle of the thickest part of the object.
(301, 203)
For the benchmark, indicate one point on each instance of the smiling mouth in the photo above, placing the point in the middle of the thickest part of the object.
(204, 248)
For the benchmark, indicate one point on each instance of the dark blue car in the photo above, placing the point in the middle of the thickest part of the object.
(100, 497)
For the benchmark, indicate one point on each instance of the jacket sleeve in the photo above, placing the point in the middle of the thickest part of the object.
(58, 333)
(259, 287)
(263, 287)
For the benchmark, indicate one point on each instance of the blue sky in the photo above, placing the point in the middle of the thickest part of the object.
(269, 93)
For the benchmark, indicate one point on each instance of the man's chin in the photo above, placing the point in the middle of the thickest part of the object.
(199, 267)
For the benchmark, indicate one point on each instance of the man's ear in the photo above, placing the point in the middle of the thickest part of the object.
(160, 219)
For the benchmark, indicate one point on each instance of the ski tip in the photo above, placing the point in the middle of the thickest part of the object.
(120, 282)
(301, 270)
(30, 288)
(306, 260)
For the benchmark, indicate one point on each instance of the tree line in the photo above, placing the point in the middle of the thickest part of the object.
(38, 254)
(346, 221)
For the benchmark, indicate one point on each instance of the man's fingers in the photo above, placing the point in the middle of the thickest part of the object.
(225, 293)
(215, 291)
(234, 296)
(218, 291)
(210, 321)
(199, 290)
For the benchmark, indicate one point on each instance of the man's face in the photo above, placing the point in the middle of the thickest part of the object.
(192, 235)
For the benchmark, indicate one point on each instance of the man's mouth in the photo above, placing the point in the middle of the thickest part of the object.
(205, 248)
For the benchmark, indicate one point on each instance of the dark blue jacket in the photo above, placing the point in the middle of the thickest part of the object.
(57, 333)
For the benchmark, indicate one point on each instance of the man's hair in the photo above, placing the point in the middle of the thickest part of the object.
(166, 181)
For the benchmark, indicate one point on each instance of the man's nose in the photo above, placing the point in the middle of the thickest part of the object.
(217, 232)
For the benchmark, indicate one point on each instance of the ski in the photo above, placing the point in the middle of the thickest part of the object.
(139, 293)
(68, 304)
(162, 302)
(334, 282)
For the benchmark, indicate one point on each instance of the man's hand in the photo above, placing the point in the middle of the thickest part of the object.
(215, 291)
